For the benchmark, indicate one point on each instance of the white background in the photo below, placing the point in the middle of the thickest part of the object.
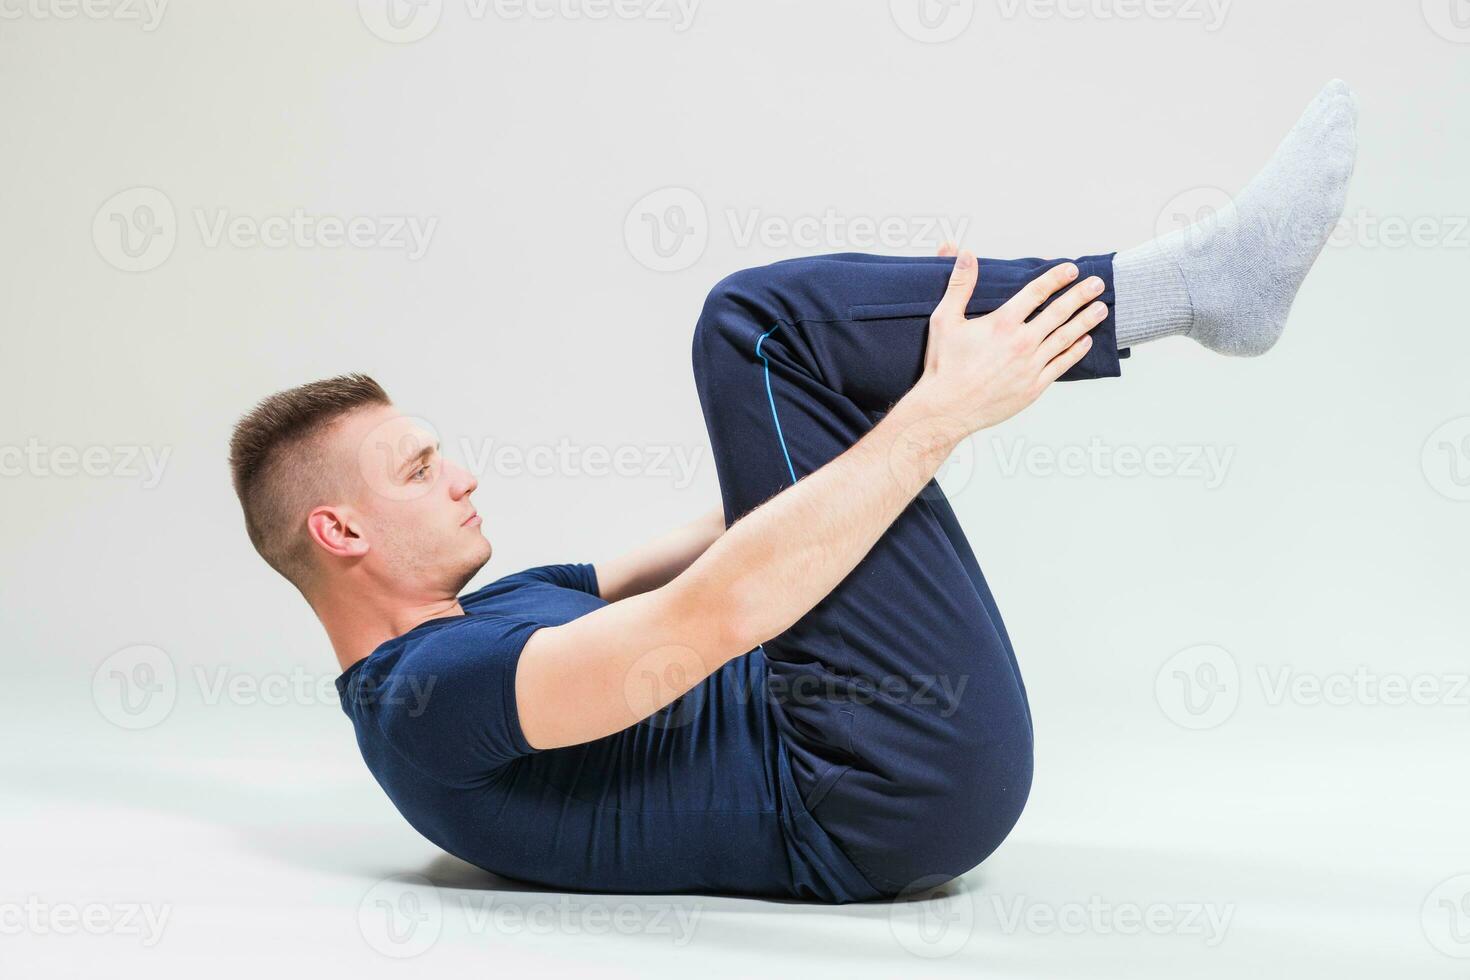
(1328, 830)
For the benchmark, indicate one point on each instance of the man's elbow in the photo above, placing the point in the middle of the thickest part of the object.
(724, 621)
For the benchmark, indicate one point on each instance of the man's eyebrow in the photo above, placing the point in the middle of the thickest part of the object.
(422, 454)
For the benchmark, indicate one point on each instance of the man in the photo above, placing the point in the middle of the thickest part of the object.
(820, 701)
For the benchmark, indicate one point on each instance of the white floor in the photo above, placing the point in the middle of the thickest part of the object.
(248, 840)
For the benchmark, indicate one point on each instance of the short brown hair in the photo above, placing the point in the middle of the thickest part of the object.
(277, 467)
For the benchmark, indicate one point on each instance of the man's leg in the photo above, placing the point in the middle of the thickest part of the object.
(796, 360)
(898, 696)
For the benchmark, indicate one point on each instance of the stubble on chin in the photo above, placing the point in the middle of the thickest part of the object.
(472, 565)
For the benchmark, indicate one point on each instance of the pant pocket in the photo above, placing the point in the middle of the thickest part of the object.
(824, 783)
(979, 305)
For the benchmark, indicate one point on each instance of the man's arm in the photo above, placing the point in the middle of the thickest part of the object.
(661, 560)
(610, 669)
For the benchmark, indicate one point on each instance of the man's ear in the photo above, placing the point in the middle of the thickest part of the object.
(335, 530)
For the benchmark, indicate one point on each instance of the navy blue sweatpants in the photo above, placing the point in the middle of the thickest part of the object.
(898, 696)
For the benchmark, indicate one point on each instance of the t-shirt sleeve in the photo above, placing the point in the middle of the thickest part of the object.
(582, 577)
(448, 705)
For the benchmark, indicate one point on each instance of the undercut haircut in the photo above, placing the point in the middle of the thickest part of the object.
(279, 469)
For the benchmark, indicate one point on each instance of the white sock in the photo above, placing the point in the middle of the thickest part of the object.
(1229, 281)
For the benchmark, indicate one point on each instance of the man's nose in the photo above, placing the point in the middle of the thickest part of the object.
(462, 482)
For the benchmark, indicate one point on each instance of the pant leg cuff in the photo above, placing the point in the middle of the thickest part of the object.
(1104, 359)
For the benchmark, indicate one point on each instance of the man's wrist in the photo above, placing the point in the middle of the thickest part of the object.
(926, 397)
(927, 432)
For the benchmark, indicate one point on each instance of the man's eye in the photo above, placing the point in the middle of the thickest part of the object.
(420, 474)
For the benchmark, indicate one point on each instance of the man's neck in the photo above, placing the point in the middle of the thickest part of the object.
(358, 624)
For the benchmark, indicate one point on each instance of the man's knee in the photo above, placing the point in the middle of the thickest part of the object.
(957, 830)
(986, 802)
(738, 311)
(758, 298)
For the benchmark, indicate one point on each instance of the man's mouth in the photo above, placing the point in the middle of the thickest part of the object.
(472, 521)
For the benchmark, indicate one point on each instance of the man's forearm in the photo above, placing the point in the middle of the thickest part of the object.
(660, 561)
(782, 558)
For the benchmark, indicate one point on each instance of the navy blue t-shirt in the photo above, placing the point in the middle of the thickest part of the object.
(697, 798)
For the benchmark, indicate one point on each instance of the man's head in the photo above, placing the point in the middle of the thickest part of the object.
(337, 486)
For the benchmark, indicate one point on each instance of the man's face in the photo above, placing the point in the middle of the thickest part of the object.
(412, 505)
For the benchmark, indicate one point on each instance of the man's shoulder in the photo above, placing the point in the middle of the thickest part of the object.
(442, 696)
(478, 630)
(578, 577)
(436, 648)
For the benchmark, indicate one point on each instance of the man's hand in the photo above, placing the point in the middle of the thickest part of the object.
(983, 371)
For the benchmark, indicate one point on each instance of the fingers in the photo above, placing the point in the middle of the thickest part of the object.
(1068, 333)
(961, 287)
(1020, 306)
(1065, 306)
(1064, 361)
(948, 250)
